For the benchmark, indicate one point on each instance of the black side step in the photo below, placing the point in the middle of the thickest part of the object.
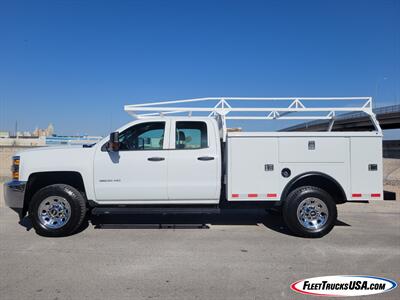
(154, 210)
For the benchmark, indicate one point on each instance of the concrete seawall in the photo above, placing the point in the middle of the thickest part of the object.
(391, 149)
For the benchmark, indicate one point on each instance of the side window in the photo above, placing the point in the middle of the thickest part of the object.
(144, 136)
(191, 135)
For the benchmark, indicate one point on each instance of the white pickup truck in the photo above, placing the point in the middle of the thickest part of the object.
(165, 160)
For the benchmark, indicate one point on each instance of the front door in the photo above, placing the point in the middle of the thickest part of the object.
(138, 171)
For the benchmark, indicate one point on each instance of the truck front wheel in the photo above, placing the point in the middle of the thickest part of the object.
(310, 212)
(57, 210)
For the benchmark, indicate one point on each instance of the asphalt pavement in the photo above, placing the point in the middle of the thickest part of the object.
(235, 255)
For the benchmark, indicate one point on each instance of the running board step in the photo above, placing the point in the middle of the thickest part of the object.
(153, 210)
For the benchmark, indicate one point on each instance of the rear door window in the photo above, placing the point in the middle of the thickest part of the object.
(191, 135)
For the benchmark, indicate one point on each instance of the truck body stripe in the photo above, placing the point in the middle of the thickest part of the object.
(356, 195)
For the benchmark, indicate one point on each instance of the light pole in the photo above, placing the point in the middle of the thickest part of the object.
(378, 82)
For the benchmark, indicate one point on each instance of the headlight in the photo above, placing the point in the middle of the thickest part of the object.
(15, 168)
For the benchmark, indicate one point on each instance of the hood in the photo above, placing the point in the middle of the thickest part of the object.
(72, 148)
(53, 159)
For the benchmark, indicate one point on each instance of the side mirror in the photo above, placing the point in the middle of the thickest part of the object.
(113, 143)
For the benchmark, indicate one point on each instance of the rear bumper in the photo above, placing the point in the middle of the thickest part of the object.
(14, 193)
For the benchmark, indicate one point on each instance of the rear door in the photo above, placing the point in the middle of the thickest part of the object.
(194, 162)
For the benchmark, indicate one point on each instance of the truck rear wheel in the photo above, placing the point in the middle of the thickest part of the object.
(309, 212)
(57, 210)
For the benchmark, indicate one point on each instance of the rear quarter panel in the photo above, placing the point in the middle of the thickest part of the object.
(249, 157)
(343, 157)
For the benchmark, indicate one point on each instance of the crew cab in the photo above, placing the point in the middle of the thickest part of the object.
(162, 161)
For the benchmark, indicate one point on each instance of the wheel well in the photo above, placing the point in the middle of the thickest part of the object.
(39, 180)
(320, 180)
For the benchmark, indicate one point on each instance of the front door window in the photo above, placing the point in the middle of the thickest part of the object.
(144, 136)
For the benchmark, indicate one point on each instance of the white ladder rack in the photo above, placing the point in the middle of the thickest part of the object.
(225, 108)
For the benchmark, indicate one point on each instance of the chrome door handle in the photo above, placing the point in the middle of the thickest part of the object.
(204, 158)
(156, 158)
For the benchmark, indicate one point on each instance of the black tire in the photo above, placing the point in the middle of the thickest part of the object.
(292, 203)
(77, 213)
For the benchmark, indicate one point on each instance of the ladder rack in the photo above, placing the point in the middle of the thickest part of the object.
(227, 108)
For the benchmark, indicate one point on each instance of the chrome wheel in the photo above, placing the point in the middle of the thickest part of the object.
(54, 212)
(312, 213)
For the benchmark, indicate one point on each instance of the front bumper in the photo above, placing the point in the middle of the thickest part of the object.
(14, 193)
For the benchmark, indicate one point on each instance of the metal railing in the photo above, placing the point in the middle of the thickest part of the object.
(347, 116)
(240, 108)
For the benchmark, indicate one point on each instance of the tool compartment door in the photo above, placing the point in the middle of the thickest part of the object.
(313, 149)
(366, 168)
(252, 168)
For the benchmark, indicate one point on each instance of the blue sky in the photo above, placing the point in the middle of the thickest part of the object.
(76, 63)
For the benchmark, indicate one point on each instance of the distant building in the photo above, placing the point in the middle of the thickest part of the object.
(49, 131)
(44, 137)
(4, 134)
(24, 134)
